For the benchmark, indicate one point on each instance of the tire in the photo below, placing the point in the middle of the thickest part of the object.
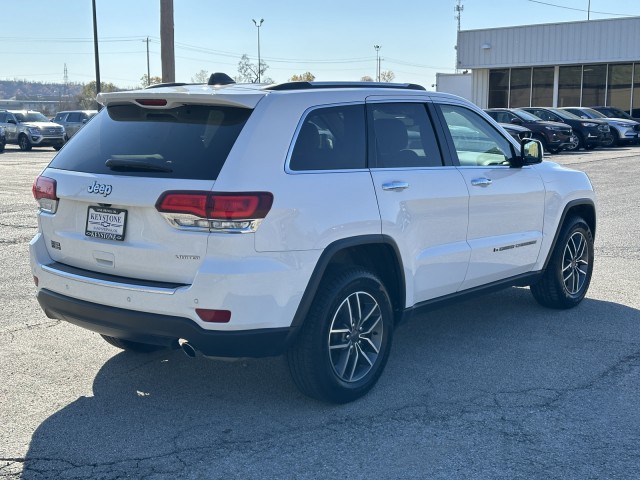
(130, 346)
(24, 143)
(578, 145)
(344, 343)
(542, 140)
(572, 147)
(58, 147)
(607, 141)
(566, 279)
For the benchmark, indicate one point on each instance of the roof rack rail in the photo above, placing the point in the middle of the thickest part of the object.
(321, 85)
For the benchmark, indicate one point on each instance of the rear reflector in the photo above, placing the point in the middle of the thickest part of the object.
(214, 316)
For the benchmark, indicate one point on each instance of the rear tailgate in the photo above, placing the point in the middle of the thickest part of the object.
(121, 233)
(110, 176)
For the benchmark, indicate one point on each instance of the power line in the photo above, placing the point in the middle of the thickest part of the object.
(580, 9)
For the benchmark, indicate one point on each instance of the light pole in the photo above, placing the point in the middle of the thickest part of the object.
(258, 25)
(377, 47)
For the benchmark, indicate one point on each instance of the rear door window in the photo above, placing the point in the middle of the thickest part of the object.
(190, 142)
(331, 138)
(402, 136)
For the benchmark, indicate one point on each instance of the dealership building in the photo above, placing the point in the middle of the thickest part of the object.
(586, 63)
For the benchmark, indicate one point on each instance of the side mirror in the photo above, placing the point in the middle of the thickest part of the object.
(516, 121)
(531, 152)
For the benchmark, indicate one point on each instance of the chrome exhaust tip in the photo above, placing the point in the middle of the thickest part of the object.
(187, 348)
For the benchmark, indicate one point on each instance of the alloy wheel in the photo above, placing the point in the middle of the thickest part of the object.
(575, 263)
(355, 336)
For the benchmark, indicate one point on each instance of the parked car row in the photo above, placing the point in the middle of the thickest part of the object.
(3, 138)
(572, 128)
(28, 128)
(621, 130)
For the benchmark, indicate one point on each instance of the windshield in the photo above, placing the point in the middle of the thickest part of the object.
(594, 113)
(30, 117)
(191, 141)
(614, 112)
(530, 117)
(565, 114)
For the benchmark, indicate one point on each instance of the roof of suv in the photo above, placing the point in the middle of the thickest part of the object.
(239, 95)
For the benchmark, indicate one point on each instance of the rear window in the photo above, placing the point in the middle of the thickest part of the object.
(190, 142)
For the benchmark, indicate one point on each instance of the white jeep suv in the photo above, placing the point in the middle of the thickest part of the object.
(305, 219)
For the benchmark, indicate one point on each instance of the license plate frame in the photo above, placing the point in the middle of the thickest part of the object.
(106, 223)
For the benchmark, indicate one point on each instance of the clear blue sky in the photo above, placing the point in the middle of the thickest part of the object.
(333, 39)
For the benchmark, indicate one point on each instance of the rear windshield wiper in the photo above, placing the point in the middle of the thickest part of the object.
(137, 162)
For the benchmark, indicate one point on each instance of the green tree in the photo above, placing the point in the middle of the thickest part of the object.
(304, 77)
(87, 98)
(201, 77)
(248, 72)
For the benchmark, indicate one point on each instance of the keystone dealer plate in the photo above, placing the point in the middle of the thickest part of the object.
(106, 223)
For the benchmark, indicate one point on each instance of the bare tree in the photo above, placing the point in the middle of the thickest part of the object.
(87, 98)
(387, 76)
(248, 72)
(366, 78)
(304, 77)
(145, 81)
(201, 77)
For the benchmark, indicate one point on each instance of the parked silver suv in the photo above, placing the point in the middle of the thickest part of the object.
(28, 129)
(305, 219)
(73, 120)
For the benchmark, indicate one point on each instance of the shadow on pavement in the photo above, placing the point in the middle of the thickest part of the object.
(164, 415)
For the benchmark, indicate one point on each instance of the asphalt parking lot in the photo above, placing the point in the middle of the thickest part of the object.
(491, 388)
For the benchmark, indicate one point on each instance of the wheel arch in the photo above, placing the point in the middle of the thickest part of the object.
(377, 253)
(584, 208)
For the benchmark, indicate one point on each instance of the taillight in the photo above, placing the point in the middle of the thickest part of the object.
(152, 102)
(213, 211)
(44, 191)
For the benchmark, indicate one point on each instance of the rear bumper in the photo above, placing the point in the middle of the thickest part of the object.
(164, 330)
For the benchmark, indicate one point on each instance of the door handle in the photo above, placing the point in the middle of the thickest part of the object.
(395, 186)
(481, 182)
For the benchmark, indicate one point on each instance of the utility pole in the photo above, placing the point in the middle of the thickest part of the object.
(589, 11)
(458, 15)
(166, 42)
(148, 69)
(95, 47)
(377, 47)
(66, 82)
